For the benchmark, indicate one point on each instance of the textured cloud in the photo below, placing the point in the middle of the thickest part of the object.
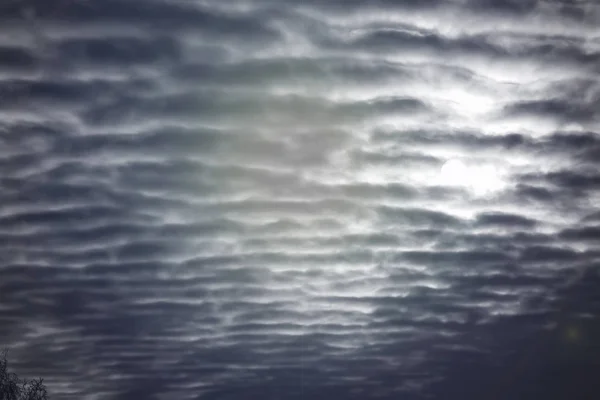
(277, 199)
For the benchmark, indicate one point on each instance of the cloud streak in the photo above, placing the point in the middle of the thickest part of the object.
(246, 199)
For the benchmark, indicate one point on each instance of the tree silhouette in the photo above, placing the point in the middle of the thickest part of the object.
(13, 388)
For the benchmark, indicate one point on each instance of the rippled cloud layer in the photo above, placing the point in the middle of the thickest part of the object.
(277, 199)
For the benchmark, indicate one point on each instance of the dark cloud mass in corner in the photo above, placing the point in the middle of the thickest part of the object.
(260, 199)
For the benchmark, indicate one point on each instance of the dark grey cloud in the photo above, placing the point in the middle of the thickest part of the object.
(244, 199)
(152, 14)
(535, 193)
(119, 51)
(16, 58)
(502, 219)
(394, 40)
(362, 5)
(418, 217)
(505, 6)
(585, 233)
(561, 109)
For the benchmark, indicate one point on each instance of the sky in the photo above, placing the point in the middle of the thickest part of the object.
(285, 199)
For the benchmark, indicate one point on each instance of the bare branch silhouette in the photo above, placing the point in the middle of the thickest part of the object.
(14, 388)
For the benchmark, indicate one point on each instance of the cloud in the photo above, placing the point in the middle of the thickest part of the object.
(119, 51)
(245, 200)
(17, 58)
(502, 219)
(560, 109)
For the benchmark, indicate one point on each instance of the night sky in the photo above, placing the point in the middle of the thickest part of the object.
(301, 199)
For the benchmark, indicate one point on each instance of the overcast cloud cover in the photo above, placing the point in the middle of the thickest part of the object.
(229, 199)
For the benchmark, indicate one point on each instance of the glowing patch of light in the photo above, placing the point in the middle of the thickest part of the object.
(481, 180)
(469, 105)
